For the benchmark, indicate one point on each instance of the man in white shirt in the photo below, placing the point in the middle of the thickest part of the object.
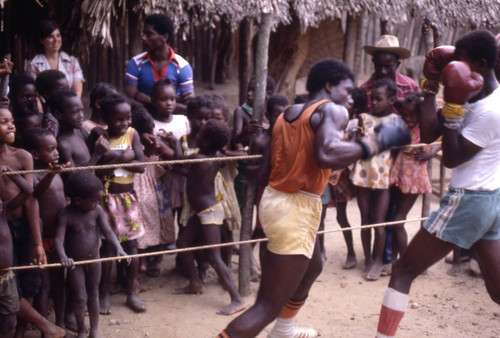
(469, 214)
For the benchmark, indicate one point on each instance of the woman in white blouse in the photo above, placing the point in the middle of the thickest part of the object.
(50, 56)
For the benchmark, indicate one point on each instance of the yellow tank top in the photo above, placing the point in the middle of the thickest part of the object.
(119, 144)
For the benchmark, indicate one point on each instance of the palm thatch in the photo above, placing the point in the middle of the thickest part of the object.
(97, 15)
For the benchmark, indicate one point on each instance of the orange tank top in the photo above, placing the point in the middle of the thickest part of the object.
(293, 159)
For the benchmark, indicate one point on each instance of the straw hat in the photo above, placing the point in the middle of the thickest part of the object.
(388, 44)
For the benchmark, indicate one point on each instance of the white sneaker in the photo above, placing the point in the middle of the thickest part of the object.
(297, 332)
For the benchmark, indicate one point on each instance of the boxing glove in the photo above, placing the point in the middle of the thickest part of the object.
(388, 134)
(434, 63)
(436, 60)
(460, 84)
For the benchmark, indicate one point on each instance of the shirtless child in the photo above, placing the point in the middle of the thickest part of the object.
(9, 297)
(212, 137)
(24, 226)
(49, 191)
(68, 109)
(77, 236)
(260, 169)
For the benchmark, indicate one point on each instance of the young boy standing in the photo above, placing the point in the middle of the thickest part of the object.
(212, 137)
(49, 191)
(77, 238)
(24, 224)
(9, 297)
(469, 215)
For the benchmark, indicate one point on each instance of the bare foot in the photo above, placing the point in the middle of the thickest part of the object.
(455, 270)
(142, 287)
(474, 269)
(374, 272)
(105, 305)
(53, 331)
(386, 270)
(368, 266)
(232, 308)
(135, 304)
(350, 262)
(70, 322)
(93, 334)
(189, 290)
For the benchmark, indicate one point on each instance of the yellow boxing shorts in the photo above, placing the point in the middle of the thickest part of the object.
(290, 221)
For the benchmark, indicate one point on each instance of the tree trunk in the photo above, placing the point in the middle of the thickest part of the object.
(350, 41)
(289, 48)
(224, 60)
(362, 37)
(261, 60)
(245, 59)
(369, 41)
(215, 54)
(360, 41)
(225, 48)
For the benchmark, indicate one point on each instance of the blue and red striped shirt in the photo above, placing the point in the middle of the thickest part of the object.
(141, 71)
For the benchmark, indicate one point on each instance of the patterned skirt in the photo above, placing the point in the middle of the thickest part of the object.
(124, 215)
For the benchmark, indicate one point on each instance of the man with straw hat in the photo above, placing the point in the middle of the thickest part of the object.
(386, 59)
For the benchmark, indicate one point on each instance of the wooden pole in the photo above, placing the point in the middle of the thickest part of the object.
(350, 41)
(261, 61)
(245, 57)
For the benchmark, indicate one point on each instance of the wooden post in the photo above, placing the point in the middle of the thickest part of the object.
(350, 41)
(426, 198)
(261, 60)
(245, 57)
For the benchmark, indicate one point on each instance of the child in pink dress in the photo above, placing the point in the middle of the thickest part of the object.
(409, 170)
(157, 217)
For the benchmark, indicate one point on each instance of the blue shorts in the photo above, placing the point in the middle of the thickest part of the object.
(465, 216)
(326, 197)
(29, 281)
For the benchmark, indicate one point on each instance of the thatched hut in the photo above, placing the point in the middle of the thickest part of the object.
(216, 36)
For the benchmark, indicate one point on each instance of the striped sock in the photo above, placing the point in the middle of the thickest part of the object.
(285, 323)
(391, 313)
(291, 308)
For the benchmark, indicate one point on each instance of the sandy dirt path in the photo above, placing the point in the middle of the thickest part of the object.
(341, 303)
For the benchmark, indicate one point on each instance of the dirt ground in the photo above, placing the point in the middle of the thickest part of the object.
(341, 303)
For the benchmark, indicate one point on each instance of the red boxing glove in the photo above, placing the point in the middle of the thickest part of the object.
(436, 60)
(460, 84)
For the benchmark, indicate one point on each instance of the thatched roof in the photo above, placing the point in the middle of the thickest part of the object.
(98, 14)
